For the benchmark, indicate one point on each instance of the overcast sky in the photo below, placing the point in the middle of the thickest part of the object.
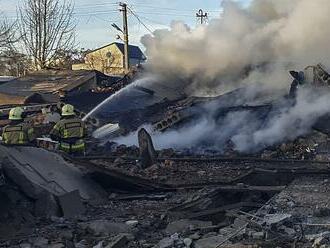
(94, 17)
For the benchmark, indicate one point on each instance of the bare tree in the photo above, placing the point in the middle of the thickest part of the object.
(46, 27)
(13, 63)
(65, 59)
(7, 35)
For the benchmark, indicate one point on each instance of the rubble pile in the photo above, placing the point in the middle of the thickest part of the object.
(310, 147)
(118, 196)
(188, 216)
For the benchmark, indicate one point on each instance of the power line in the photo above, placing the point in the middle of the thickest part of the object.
(97, 4)
(90, 7)
(173, 9)
(153, 21)
(99, 9)
(83, 13)
(140, 21)
(100, 12)
(164, 14)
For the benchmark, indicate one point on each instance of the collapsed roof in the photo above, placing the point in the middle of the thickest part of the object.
(51, 85)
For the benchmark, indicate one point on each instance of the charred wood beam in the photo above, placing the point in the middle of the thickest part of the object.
(223, 209)
(214, 159)
(117, 180)
(152, 197)
(264, 110)
(277, 175)
(219, 191)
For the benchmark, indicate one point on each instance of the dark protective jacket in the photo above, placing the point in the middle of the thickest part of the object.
(18, 133)
(70, 132)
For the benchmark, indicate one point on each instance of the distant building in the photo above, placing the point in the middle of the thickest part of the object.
(109, 59)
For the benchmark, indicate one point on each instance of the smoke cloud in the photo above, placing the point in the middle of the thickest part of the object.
(254, 45)
(248, 130)
(243, 47)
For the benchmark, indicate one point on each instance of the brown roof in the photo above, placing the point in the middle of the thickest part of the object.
(47, 82)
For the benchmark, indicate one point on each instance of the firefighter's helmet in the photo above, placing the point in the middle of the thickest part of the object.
(67, 110)
(16, 113)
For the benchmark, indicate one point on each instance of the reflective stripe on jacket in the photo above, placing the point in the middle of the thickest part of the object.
(69, 128)
(20, 134)
(70, 133)
(78, 146)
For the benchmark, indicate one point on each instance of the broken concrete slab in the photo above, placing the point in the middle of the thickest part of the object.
(258, 235)
(40, 242)
(25, 245)
(40, 169)
(132, 223)
(169, 242)
(56, 245)
(119, 241)
(71, 204)
(46, 205)
(186, 225)
(105, 227)
(27, 186)
(276, 219)
(211, 242)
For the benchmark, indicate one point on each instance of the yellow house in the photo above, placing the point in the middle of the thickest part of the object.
(109, 59)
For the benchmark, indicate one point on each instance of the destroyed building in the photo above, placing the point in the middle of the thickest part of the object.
(51, 86)
(120, 196)
(232, 151)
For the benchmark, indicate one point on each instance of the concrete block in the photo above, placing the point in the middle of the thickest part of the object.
(105, 227)
(71, 204)
(119, 241)
(186, 225)
(211, 242)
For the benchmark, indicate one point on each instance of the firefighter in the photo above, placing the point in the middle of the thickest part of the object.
(70, 132)
(17, 132)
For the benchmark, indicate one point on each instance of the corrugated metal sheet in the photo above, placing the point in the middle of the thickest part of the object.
(47, 82)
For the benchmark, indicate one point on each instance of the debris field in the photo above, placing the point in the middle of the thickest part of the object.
(135, 195)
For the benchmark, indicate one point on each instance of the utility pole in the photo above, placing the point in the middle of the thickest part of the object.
(125, 32)
(201, 15)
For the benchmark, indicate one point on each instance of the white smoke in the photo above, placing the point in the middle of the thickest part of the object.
(248, 131)
(288, 123)
(255, 45)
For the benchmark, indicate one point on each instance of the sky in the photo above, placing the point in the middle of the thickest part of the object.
(94, 17)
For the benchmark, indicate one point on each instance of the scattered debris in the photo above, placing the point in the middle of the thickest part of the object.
(119, 196)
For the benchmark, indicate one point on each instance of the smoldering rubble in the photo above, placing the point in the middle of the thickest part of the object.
(246, 48)
(249, 130)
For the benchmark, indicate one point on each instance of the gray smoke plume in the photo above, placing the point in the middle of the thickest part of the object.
(248, 130)
(254, 45)
(244, 46)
